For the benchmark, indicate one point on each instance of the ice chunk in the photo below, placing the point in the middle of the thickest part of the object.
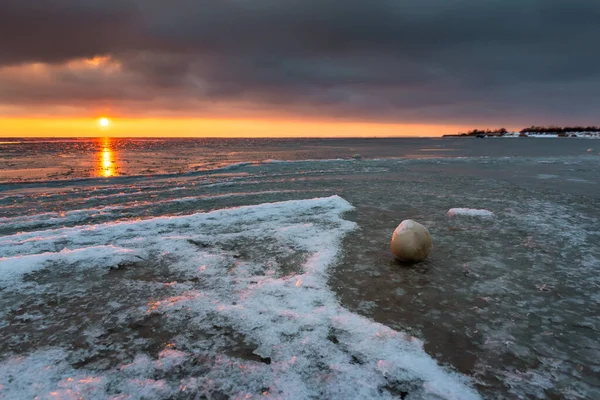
(470, 212)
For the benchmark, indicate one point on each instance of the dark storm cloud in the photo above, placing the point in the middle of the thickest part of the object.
(419, 60)
(58, 30)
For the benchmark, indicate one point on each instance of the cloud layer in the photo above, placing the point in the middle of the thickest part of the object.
(433, 61)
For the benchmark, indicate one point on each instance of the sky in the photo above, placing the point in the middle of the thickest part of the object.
(296, 67)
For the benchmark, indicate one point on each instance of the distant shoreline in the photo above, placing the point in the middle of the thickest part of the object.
(511, 135)
(589, 132)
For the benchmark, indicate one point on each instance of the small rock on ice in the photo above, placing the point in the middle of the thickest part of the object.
(471, 212)
(411, 241)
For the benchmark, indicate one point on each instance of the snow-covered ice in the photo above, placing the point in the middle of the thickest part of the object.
(310, 346)
(470, 212)
(13, 268)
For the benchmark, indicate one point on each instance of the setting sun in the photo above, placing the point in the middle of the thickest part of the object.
(104, 122)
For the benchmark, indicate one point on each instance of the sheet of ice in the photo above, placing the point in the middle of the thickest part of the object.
(311, 347)
(546, 176)
(233, 166)
(52, 219)
(12, 269)
(325, 160)
(470, 212)
(580, 180)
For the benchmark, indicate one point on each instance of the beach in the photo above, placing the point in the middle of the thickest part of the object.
(246, 268)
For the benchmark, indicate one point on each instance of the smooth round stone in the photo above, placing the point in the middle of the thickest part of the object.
(411, 241)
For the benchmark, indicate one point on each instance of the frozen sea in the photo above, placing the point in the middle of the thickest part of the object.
(247, 268)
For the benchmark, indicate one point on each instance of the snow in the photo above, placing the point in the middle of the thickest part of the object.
(286, 310)
(470, 212)
(542, 135)
(580, 135)
(12, 269)
(47, 375)
(83, 215)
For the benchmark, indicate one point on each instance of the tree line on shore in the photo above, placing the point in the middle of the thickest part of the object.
(558, 129)
(540, 130)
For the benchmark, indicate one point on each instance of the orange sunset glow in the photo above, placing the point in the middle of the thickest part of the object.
(128, 68)
(208, 127)
(234, 118)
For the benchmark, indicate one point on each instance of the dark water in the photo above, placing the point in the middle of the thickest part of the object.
(511, 302)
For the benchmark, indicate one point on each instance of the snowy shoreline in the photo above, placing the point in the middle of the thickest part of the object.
(570, 135)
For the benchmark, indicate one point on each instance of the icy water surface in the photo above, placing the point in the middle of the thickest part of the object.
(274, 279)
(26, 160)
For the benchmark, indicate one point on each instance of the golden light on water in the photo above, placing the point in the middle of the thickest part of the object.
(107, 166)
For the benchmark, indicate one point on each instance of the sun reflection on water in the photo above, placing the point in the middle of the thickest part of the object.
(107, 164)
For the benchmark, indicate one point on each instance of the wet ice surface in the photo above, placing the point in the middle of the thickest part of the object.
(98, 298)
(41, 159)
